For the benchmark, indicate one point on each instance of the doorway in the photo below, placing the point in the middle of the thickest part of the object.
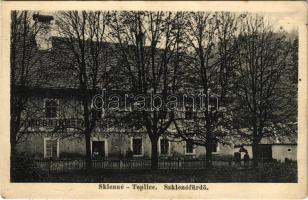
(98, 150)
(265, 152)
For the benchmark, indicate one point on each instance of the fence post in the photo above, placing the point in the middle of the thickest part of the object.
(49, 163)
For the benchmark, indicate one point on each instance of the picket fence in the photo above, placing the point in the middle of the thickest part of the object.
(69, 165)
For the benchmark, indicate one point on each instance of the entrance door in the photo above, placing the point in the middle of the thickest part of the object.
(98, 149)
(265, 152)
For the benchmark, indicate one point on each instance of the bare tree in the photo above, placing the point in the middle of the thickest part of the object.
(26, 72)
(211, 38)
(85, 55)
(266, 98)
(150, 45)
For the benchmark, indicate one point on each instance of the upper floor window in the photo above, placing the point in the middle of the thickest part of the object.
(189, 113)
(97, 114)
(51, 108)
(97, 111)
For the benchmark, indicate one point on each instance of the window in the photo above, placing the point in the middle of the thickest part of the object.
(189, 147)
(51, 108)
(97, 114)
(189, 113)
(137, 146)
(214, 147)
(51, 148)
(164, 146)
(98, 109)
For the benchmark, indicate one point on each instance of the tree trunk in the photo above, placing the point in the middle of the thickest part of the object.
(15, 127)
(208, 154)
(255, 153)
(13, 143)
(208, 146)
(255, 144)
(88, 151)
(154, 153)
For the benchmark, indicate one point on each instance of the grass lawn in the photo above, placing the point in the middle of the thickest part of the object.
(277, 172)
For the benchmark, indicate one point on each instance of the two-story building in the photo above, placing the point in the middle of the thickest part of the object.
(53, 125)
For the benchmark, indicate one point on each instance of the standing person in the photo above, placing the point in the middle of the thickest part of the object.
(237, 158)
(246, 159)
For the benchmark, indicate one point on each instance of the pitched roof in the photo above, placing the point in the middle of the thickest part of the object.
(55, 68)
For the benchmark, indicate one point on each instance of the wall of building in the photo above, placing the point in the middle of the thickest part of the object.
(33, 146)
(280, 152)
(117, 146)
(68, 147)
(72, 147)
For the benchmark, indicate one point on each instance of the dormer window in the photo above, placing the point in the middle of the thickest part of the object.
(51, 108)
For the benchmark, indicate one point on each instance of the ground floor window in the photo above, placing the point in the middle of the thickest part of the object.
(137, 146)
(189, 147)
(99, 149)
(51, 148)
(164, 146)
(215, 147)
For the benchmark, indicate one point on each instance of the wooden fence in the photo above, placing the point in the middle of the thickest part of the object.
(69, 165)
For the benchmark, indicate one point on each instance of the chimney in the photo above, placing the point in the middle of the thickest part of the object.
(43, 37)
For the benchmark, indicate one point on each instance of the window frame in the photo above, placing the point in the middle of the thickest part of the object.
(45, 147)
(190, 153)
(98, 114)
(57, 111)
(105, 140)
(191, 111)
(217, 149)
(159, 146)
(132, 146)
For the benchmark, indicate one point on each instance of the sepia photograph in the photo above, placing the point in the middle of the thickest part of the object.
(138, 96)
(129, 98)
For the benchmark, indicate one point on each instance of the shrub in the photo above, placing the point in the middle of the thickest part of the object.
(23, 169)
(217, 157)
(71, 156)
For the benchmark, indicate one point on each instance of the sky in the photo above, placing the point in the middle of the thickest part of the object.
(286, 20)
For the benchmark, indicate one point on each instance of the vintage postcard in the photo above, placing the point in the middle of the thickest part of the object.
(153, 99)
